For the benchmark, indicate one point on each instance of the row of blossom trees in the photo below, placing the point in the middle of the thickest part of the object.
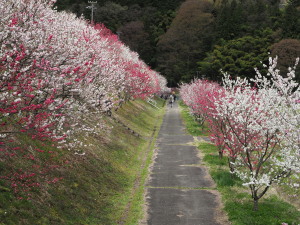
(57, 70)
(256, 123)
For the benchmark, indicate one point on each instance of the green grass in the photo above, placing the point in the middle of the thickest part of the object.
(235, 197)
(192, 125)
(145, 122)
(106, 186)
(272, 211)
(215, 159)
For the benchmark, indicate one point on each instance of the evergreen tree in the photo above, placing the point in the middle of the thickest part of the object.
(291, 20)
(238, 57)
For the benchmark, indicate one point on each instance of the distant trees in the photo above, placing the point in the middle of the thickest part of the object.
(78, 7)
(234, 36)
(177, 37)
(229, 18)
(121, 16)
(291, 20)
(185, 42)
(238, 57)
(134, 35)
(235, 19)
(160, 5)
(245, 32)
(111, 14)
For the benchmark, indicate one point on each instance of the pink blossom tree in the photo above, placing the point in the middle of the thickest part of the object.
(57, 71)
(200, 96)
(258, 126)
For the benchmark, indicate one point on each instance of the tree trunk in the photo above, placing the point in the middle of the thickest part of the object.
(220, 153)
(255, 204)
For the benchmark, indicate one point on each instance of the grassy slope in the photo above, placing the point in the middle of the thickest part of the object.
(105, 186)
(236, 198)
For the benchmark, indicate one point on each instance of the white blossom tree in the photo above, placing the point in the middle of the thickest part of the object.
(262, 128)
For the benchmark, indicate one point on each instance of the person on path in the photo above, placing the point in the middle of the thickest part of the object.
(171, 100)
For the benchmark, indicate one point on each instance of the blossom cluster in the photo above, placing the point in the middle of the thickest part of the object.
(57, 71)
(55, 67)
(255, 122)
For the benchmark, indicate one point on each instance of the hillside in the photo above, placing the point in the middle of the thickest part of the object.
(98, 186)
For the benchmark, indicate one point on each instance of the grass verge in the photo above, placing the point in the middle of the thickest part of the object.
(236, 198)
(192, 125)
(104, 186)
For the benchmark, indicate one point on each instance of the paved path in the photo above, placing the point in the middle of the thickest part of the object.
(179, 191)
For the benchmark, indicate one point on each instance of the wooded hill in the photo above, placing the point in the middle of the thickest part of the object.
(197, 38)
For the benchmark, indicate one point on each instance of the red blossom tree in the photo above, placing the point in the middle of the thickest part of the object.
(56, 71)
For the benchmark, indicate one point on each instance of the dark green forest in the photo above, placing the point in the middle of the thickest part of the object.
(197, 38)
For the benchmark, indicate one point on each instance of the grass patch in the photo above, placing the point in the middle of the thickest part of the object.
(192, 125)
(135, 209)
(236, 198)
(224, 178)
(96, 188)
(215, 159)
(271, 211)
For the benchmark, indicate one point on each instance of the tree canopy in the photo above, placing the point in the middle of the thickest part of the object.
(237, 57)
(185, 41)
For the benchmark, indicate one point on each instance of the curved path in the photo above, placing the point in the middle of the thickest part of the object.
(179, 191)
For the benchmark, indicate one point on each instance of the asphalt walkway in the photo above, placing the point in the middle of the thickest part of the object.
(179, 191)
